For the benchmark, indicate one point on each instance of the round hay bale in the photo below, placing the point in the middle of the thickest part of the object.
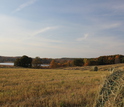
(95, 68)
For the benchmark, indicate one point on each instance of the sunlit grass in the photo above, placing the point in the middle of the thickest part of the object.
(49, 87)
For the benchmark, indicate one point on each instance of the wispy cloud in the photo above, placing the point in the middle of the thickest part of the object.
(109, 26)
(17, 34)
(43, 30)
(83, 38)
(50, 40)
(22, 6)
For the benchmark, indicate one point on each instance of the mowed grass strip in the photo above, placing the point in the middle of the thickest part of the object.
(49, 87)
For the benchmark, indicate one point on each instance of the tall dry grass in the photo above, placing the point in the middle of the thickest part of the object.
(49, 87)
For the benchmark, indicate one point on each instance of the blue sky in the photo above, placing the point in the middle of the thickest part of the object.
(61, 28)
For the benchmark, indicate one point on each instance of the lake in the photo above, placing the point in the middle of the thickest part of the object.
(45, 65)
(6, 63)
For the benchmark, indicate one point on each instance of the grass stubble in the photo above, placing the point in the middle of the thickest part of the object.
(20, 87)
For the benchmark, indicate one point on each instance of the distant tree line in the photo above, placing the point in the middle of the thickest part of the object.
(26, 61)
(7, 59)
(102, 60)
(105, 60)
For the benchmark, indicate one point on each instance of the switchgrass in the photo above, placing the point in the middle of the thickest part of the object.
(21, 87)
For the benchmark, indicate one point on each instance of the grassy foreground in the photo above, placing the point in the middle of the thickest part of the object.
(21, 87)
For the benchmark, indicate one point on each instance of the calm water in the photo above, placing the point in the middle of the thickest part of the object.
(13, 64)
(6, 63)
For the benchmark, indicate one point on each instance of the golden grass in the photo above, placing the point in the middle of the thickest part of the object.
(21, 87)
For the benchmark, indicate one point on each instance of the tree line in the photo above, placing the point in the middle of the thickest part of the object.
(7, 59)
(29, 62)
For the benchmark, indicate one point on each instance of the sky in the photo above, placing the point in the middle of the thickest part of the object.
(61, 28)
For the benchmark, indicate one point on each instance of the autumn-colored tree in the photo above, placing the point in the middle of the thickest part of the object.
(53, 64)
(86, 62)
(117, 59)
(69, 63)
(110, 60)
(65, 64)
(102, 60)
(59, 65)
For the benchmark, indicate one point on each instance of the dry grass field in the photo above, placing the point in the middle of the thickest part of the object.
(21, 87)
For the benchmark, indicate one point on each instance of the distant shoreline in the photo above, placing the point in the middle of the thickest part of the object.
(12, 64)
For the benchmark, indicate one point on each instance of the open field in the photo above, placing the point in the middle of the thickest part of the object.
(20, 87)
